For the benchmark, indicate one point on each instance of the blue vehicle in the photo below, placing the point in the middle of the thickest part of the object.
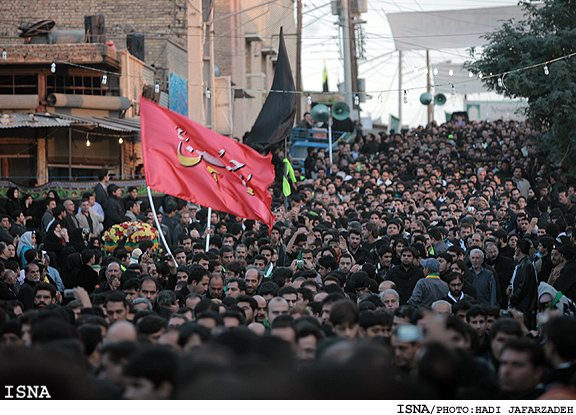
(301, 139)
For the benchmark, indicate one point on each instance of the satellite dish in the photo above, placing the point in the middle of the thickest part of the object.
(425, 98)
(440, 99)
(340, 111)
(320, 113)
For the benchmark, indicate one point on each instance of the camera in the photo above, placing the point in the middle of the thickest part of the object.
(69, 293)
(300, 263)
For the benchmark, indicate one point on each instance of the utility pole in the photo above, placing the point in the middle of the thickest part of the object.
(429, 86)
(298, 58)
(195, 35)
(346, 40)
(208, 62)
(353, 65)
(400, 90)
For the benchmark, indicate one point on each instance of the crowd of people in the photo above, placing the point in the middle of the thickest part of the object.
(431, 263)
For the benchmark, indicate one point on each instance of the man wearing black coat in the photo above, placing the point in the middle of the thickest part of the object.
(523, 289)
(405, 275)
(100, 189)
(566, 282)
(504, 268)
(114, 210)
(26, 294)
(7, 291)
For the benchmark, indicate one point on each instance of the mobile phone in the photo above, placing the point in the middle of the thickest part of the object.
(409, 333)
(69, 293)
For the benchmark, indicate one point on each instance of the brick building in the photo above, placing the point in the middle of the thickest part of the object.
(245, 50)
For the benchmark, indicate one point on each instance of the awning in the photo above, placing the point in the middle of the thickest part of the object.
(130, 124)
(443, 29)
(26, 120)
(50, 119)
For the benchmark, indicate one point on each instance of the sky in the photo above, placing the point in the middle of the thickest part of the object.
(379, 64)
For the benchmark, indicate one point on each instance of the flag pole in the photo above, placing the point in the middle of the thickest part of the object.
(157, 223)
(330, 135)
(208, 224)
(284, 169)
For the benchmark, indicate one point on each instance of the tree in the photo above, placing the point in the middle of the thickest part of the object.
(536, 59)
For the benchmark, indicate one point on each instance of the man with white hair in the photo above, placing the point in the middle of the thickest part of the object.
(442, 307)
(390, 298)
(484, 281)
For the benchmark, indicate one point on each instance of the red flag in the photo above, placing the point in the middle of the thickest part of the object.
(191, 162)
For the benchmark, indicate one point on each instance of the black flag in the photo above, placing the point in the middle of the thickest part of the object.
(276, 118)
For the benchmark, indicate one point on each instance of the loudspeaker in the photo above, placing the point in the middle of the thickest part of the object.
(135, 45)
(340, 111)
(426, 98)
(440, 99)
(95, 28)
(320, 113)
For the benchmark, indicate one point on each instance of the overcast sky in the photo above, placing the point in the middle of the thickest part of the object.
(380, 64)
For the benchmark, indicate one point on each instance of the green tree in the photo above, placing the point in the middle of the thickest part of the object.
(515, 64)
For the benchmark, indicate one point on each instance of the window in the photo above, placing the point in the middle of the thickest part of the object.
(82, 85)
(18, 84)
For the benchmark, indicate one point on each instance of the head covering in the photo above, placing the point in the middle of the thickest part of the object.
(546, 297)
(25, 240)
(431, 263)
(562, 303)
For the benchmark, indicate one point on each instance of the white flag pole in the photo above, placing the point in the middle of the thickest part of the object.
(208, 225)
(158, 224)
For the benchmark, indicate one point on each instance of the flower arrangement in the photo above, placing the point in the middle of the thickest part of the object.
(136, 231)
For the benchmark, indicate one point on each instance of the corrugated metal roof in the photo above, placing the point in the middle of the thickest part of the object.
(23, 120)
(26, 120)
(115, 124)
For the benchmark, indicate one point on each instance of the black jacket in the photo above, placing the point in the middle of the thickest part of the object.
(114, 212)
(566, 282)
(525, 291)
(26, 295)
(101, 195)
(405, 280)
(504, 268)
(6, 292)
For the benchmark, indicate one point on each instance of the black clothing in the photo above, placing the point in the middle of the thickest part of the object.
(405, 280)
(525, 291)
(101, 195)
(566, 282)
(6, 292)
(362, 256)
(17, 230)
(507, 251)
(504, 268)
(87, 278)
(26, 294)
(114, 212)
(546, 268)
